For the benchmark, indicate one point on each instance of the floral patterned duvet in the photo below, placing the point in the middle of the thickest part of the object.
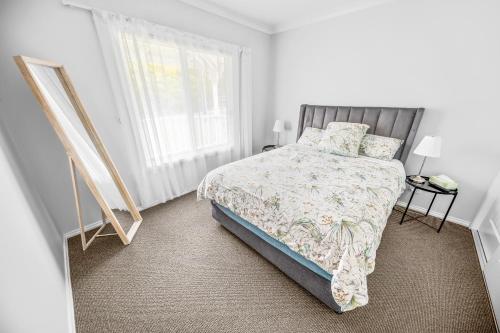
(330, 209)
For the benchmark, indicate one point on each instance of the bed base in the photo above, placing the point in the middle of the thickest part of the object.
(317, 285)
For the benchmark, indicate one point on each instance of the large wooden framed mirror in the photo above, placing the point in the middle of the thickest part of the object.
(86, 152)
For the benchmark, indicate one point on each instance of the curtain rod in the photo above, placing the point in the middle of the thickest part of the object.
(75, 4)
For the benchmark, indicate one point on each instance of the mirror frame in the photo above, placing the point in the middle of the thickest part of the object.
(75, 160)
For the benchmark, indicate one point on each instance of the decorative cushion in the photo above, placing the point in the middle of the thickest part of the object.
(380, 147)
(343, 138)
(311, 136)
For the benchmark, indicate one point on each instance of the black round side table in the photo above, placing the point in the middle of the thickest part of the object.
(269, 147)
(428, 187)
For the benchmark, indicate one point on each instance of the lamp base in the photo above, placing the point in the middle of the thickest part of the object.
(417, 179)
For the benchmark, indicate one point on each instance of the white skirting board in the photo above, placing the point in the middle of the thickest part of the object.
(88, 227)
(435, 214)
(479, 248)
(67, 274)
(482, 262)
(69, 290)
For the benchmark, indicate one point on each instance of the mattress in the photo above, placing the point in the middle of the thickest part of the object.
(329, 209)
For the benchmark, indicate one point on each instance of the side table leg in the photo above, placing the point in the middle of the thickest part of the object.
(408, 206)
(429, 209)
(447, 212)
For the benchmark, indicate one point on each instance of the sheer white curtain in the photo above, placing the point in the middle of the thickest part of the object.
(185, 102)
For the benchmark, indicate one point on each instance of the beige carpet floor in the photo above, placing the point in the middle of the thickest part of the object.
(185, 273)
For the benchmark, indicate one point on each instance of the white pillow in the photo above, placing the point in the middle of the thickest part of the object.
(381, 147)
(343, 138)
(311, 136)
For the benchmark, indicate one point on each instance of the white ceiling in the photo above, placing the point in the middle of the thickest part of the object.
(272, 16)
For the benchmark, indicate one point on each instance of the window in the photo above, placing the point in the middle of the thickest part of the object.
(181, 94)
(184, 100)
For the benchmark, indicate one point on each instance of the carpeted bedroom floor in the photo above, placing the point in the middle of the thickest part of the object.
(185, 273)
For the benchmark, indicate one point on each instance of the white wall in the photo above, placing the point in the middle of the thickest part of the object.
(32, 283)
(47, 29)
(442, 55)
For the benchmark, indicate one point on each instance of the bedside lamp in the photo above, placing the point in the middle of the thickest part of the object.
(430, 146)
(279, 127)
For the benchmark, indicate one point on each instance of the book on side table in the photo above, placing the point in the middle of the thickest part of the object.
(443, 182)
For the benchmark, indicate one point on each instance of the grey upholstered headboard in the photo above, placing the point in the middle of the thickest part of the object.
(401, 123)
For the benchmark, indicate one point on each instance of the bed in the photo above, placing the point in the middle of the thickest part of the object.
(318, 217)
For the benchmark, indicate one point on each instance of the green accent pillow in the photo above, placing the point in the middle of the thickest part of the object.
(311, 137)
(343, 138)
(381, 147)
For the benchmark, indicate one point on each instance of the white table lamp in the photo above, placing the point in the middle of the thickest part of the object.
(279, 127)
(430, 146)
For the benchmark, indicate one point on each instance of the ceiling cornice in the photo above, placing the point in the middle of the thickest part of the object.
(295, 24)
(230, 15)
(281, 27)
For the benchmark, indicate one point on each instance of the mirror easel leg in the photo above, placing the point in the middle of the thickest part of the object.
(76, 193)
(77, 202)
(104, 223)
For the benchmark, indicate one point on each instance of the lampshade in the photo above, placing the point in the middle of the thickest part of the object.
(279, 126)
(430, 146)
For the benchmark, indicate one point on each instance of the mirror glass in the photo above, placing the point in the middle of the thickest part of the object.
(51, 87)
